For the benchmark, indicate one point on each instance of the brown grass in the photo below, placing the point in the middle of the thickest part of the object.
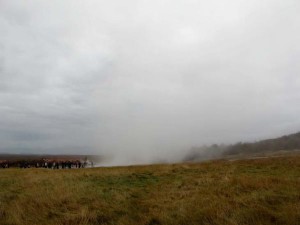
(264, 191)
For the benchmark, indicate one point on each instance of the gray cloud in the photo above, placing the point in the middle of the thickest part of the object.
(145, 80)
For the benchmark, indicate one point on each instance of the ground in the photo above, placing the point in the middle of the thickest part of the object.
(253, 191)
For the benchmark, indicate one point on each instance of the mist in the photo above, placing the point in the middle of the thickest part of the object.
(144, 81)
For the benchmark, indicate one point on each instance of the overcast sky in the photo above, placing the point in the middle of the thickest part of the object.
(146, 79)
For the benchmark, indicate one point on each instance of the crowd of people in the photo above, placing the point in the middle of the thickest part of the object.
(4, 164)
(45, 163)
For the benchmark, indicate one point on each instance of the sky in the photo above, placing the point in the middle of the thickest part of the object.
(143, 80)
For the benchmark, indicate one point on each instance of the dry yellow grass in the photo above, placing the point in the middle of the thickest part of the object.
(264, 191)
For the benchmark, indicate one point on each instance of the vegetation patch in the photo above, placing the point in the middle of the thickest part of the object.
(257, 191)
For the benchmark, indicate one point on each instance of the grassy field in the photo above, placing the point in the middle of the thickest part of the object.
(260, 191)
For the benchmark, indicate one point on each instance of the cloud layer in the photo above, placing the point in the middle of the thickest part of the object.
(145, 80)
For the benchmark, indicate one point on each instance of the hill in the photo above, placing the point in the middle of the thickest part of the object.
(287, 143)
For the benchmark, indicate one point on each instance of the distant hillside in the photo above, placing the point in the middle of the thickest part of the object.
(287, 143)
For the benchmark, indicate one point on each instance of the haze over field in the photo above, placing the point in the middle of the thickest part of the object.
(146, 80)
